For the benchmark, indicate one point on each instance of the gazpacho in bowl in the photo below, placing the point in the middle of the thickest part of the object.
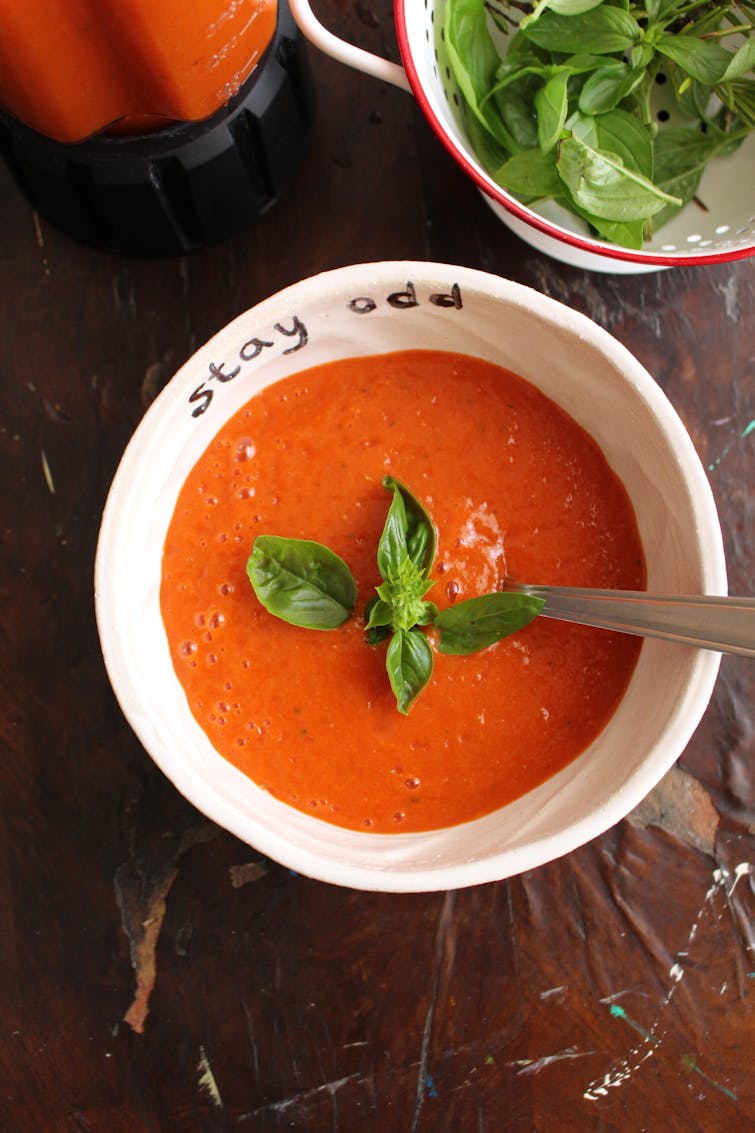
(391, 442)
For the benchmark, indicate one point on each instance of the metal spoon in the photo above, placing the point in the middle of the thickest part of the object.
(706, 621)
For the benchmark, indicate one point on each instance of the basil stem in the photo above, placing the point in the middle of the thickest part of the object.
(479, 622)
(409, 662)
(301, 582)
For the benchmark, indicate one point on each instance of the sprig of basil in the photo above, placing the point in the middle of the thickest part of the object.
(308, 585)
(301, 582)
(405, 554)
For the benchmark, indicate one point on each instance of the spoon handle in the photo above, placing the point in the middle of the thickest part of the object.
(726, 625)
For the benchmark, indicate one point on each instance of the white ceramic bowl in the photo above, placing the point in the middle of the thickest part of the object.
(724, 230)
(578, 365)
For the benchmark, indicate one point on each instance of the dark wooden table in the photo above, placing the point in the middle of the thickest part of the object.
(155, 973)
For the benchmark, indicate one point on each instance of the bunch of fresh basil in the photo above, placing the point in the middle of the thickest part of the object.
(564, 112)
(308, 585)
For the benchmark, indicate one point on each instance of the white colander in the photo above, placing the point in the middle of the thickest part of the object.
(721, 228)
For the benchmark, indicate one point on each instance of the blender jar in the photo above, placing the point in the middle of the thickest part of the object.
(152, 127)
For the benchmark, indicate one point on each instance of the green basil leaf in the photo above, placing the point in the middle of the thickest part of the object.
(573, 7)
(604, 186)
(377, 635)
(607, 87)
(409, 532)
(477, 623)
(694, 100)
(551, 104)
(530, 175)
(740, 97)
(579, 64)
(377, 614)
(301, 582)
(515, 104)
(409, 662)
(473, 58)
(703, 60)
(513, 68)
(490, 152)
(742, 62)
(563, 7)
(602, 31)
(618, 132)
(661, 12)
(428, 615)
(641, 55)
(628, 233)
(681, 155)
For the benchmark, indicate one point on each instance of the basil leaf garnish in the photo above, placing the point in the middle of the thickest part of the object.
(477, 623)
(409, 662)
(308, 585)
(301, 582)
(377, 613)
(408, 533)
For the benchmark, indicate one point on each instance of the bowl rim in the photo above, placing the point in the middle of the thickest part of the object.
(322, 866)
(516, 208)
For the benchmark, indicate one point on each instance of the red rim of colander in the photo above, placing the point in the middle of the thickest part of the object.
(511, 204)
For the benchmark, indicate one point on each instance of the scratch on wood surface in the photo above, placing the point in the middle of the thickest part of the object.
(47, 473)
(207, 1081)
(730, 291)
(682, 807)
(155, 377)
(445, 948)
(38, 231)
(304, 1097)
(550, 992)
(622, 1069)
(744, 922)
(142, 902)
(252, 1040)
(527, 1066)
(40, 241)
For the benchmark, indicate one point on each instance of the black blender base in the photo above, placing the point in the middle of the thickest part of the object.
(184, 187)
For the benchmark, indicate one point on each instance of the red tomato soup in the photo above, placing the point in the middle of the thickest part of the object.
(513, 485)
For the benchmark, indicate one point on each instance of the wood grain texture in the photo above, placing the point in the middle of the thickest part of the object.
(155, 973)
